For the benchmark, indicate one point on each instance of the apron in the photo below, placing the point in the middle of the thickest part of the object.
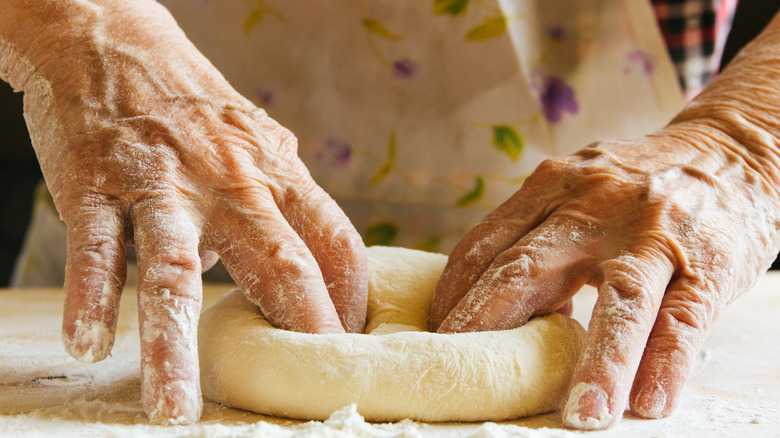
(420, 117)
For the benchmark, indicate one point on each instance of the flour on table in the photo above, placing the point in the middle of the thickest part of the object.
(732, 391)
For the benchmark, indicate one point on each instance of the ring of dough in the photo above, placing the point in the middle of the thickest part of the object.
(395, 371)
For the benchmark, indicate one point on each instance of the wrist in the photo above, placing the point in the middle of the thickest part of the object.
(67, 42)
(33, 33)
(737, 133)
(741, 107)
(733, 149)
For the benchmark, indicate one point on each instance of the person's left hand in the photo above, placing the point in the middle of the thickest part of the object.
(142, 141)
(670, 228)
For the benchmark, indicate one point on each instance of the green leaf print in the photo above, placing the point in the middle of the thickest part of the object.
(389, 164)
(254, 18)
(491, 28)
(378, 29)
(508, 141)
(452, 7)
(474, 195)
(382, 233)
(431, 244)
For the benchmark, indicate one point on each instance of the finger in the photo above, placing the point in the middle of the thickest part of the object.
(337, 248)
(472, 256)
(169, 299)
(567, 309)
(538, 275)
(628, 301)
(275, 269)
(207, 260)
(674, 342)
(94, 277)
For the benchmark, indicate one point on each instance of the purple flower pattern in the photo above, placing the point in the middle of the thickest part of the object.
(404, 68)
(334, 150)
(556, 32)
(643, 59)
(557, 97)
(264, 97)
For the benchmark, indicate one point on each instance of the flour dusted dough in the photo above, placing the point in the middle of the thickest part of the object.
(398, 370)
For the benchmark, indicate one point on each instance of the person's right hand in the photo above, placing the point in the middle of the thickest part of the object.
(142, 141)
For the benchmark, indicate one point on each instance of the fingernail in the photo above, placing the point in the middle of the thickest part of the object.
(587, 408)
(650, 402)
(90, 343)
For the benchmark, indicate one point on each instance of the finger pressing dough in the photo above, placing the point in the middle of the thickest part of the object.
(398, 370)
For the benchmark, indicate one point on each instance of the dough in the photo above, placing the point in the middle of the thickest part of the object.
(398, 370)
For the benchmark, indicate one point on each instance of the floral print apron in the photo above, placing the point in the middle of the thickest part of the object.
(421, 116)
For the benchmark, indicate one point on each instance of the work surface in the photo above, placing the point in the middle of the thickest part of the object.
(734, 389)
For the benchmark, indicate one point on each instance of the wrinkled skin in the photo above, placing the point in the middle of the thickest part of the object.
(657, 224)
(143, 142)
(670, 228)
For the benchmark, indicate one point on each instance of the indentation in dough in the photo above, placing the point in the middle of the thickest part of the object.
(399, 371)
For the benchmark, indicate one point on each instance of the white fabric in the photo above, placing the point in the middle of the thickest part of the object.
(420, 117)
(350, 78)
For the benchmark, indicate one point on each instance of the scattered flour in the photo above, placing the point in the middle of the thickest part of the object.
(732, 392)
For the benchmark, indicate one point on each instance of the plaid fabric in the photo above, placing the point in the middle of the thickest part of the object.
(695, 32)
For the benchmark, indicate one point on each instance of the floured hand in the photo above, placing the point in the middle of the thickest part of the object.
(143, 142)
(670, 227)
(668, 233)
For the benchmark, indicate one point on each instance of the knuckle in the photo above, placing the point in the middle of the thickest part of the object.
(677, 337)
(676, 342)
(550, 166)
(83, 205)
(628, 277)
(236, 160)
(483, 243)
(573, 226)
(690, 310)
(281, 142)
(287, 140)
(171, 267)
(471, 256)
(514, 265)
(98, 245)
(346, 240)
(296, 193)
(291, 258)
(94, 243)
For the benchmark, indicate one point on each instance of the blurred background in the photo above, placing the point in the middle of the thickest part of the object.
(19, 171)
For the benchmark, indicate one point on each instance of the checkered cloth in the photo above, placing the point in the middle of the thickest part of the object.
(695, 32)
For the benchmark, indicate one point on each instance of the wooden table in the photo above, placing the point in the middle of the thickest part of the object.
(734, 389)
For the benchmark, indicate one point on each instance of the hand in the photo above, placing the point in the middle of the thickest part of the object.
(670, 228)
(142, 141)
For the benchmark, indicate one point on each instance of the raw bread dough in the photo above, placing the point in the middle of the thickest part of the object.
(398, 370)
